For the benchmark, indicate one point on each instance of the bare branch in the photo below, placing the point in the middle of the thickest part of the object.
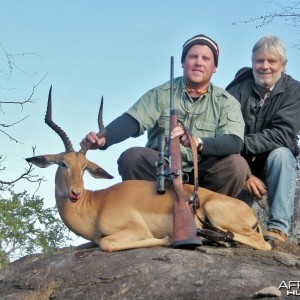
(290, 13)
(11, 63)
(28, 99)
(27, 175)
(2, 159)
(9, 67)
(10, 137)
(10, 125)
(21, 103)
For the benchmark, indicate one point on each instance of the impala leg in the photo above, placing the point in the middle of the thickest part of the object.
(116, 242)
(237, 217)
(255, 240)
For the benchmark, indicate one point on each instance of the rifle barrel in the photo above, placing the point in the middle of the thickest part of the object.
(171, 83)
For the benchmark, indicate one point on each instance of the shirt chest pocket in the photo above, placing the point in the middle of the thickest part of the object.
(205, 129)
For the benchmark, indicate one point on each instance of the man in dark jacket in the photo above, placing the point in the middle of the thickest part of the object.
(270, 103)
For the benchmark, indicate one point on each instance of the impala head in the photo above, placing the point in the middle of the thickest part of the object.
(71, 164)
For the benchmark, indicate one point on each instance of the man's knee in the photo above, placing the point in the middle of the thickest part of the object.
(129, 157)
(281, 154)
(281, 158)
(238, 166)
(138, 163)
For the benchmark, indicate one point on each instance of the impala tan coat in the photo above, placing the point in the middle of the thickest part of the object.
(131, 214)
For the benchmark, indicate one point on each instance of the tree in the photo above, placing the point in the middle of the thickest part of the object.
(9, 67)
(289, 12)
(26, 228)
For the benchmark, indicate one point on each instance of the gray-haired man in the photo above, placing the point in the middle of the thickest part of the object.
(270, 102)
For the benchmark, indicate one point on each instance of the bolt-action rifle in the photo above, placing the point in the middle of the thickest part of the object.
(184, 226)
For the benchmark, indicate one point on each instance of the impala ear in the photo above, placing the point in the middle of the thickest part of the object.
(42, 161)
(97, 172)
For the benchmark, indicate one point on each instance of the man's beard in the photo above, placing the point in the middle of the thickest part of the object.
(266, 83)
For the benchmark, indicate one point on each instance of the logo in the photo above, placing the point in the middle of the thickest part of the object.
(292, 287)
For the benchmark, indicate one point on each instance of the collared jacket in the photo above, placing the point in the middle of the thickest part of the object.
(216, 113)
(273, 125)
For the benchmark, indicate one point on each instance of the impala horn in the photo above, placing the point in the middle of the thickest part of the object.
(102, 129)
(56, 128)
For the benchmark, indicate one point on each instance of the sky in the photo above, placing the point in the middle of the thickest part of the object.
(119, 49)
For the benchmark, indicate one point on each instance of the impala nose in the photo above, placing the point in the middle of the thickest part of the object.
(74, 195)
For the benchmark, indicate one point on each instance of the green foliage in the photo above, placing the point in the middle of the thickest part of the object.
(26, 227)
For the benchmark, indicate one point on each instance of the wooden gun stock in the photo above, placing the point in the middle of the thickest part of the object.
(161, 176)
(184, 227)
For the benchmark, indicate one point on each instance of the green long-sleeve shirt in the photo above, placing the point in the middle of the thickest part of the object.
(216, 113)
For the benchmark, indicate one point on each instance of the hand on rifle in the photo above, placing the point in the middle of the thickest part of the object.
(184, 139)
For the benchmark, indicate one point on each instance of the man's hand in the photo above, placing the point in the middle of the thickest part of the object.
(255, 187)
(184, 139)
(92, 142)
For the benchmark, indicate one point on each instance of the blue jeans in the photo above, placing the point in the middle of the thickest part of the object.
(280, 178)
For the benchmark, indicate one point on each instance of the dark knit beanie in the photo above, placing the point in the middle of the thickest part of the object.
(202, 40)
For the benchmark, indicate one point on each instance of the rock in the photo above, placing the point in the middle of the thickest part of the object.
(209, 272)
(270, 291)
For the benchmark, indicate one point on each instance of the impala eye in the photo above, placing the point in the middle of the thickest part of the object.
(63, 164)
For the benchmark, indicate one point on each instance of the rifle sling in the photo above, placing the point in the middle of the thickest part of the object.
(209, 232)
(194, 201)
(213, 233)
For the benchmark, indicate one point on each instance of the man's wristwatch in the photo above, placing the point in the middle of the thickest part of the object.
(200, 143)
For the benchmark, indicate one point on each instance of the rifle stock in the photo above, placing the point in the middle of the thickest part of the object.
(161, 176)
(184, 227)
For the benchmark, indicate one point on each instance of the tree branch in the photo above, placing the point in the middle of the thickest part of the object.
(11, 63)
(290, 14)
(27, 175)
(28, 99)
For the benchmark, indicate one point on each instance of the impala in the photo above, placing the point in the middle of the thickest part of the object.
(131, 214)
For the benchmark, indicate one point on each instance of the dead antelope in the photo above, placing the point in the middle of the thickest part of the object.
(131, 214)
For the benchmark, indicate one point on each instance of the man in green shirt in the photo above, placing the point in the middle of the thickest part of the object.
(212, 115)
